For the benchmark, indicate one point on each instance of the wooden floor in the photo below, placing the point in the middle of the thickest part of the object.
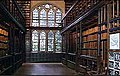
(44, 69)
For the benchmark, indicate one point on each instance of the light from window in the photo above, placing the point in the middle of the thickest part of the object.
(46, 16)
(58, 17)
(35, 24)
(58, 41)
(51, 15)
(42, 41)
(43, 18)
(35, 13)
(35, 41)
(50, 41)
(35, 18)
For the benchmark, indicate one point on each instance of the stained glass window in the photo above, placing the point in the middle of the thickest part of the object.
(51, 18)
(47, 19)
(58, 17)
(50, 41)
(42, 41)
(58, 41)
(35, 41)
(46, 15)
(35, 18)
(43, 18)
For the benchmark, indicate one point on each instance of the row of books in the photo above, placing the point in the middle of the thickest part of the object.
(104, 36)
(3, 32)
(92, 53)
(3, 46)
(92, 45)
(90, 37)
(3, 39)
(90, 31)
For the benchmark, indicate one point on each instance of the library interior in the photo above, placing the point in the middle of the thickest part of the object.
(60, 37)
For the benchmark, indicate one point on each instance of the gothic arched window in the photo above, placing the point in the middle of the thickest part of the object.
(51, 17)
(35, 18)
(58, 41)
(43, 18)
(34, 40)
(50, 41)
(58, 17)
(42, 41)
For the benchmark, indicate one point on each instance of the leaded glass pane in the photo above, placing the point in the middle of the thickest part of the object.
(58, 41)
(58, 17)
(35, 24)
(51, 15)
(50, 41)
(35, 14)
(35, 18)
(35, 41)
(43, 18)
(42, 41)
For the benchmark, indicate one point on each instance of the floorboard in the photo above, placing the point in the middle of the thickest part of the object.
(44, 69)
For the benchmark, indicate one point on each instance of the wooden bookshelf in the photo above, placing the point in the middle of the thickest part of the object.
(87, 35)
(73, 14)
(89, 47)
(12, 33)
(4, 49)
(103, 37)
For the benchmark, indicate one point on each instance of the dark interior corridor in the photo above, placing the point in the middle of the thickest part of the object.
(60, 37)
